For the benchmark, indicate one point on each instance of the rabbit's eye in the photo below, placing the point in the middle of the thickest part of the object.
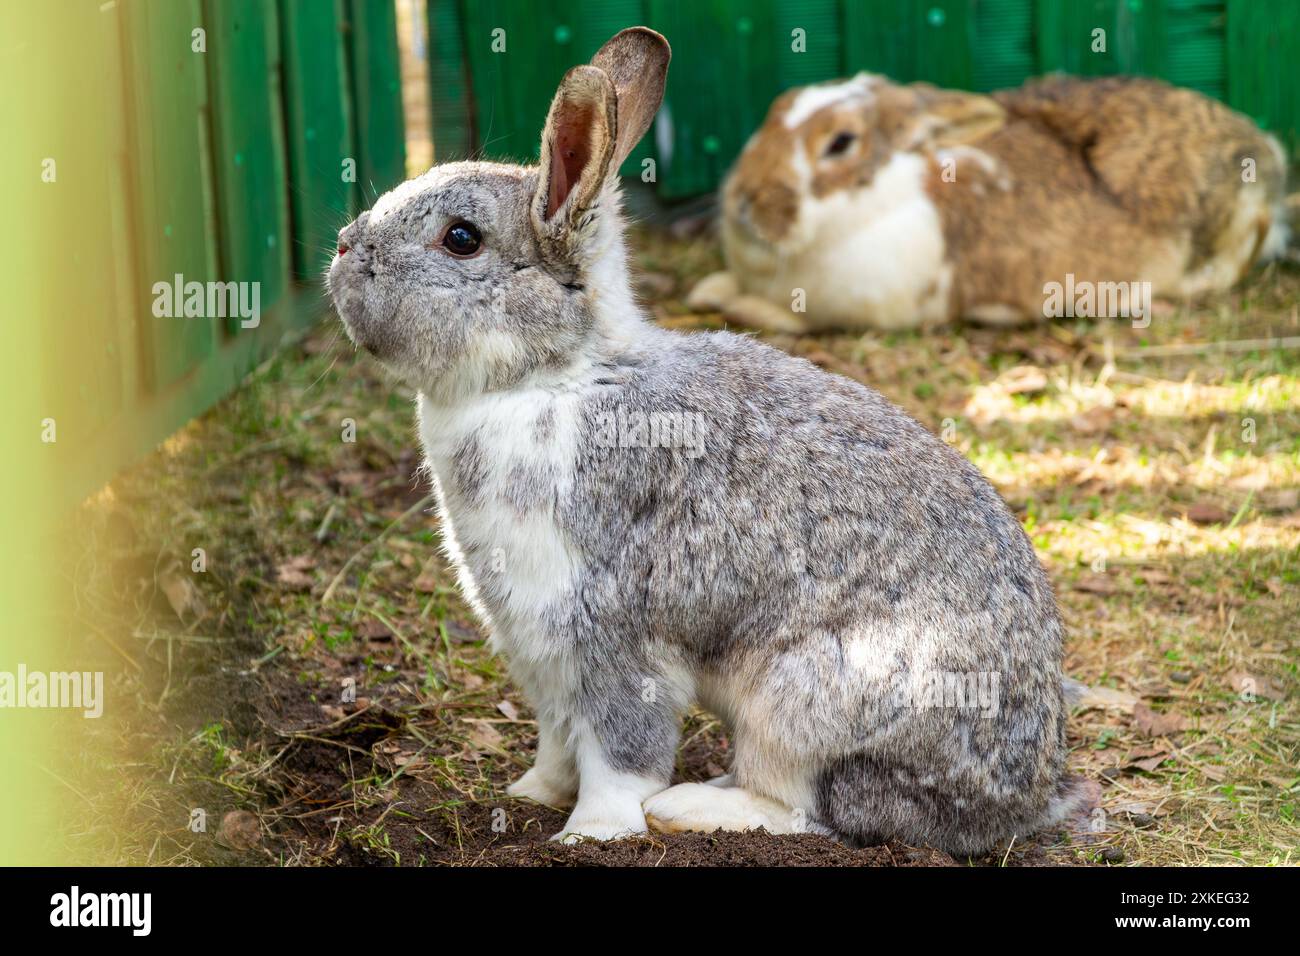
(462, 239)
(840, 144)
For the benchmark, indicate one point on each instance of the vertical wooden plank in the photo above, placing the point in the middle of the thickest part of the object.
(97, 357)
(1065, 37)
(592, 22)
(1195, 44)
(377, 96)
(731, 58)
(1141, 27)
(1133, 38)
(910, 40)
(517, 53)
(881, 37)
(1263, 48)
(823, 54)
(248, 146)
(723, 79)
(945, 43)
(1182, 41)
(1002, 43)
(172, 181)
(318, 121)
(67, 191)
(451, 94)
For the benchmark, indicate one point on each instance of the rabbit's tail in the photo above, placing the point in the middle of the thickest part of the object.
(1073, 691)
(1074, 795)
(1283, 230)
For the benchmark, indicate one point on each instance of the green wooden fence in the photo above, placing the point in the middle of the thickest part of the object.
(218, 140)
(731, 57)
(227, 140)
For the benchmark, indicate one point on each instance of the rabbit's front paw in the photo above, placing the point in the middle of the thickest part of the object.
(713, 292)
(597, 830)
(612, 821)
(536, 785)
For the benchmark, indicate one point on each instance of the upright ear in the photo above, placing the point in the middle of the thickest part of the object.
(598, 115)
(636, 60)
(577, 143)
(948, 118)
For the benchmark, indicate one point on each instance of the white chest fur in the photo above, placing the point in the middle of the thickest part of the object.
(501, 463)
(876, 255)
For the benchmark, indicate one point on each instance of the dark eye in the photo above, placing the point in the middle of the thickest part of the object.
(840, 144)
(462, 239)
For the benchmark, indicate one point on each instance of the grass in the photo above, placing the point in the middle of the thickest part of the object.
(1162, 492)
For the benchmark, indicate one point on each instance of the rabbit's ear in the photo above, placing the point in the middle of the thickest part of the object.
(636, 60)
(952, 118)
(577, 143)
(599, 113)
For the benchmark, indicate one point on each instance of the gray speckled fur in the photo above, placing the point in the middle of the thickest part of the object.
(822, 545)
(820, 509)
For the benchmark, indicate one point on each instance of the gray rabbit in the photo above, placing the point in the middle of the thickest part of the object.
(647, 520)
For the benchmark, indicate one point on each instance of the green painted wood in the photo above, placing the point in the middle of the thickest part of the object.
(911, 40)
(248, 146)
(1196, 44)
(171, 116)
(74, 226)
(516, 57)
(451, 92)
(171, 185)
(1133, 34)
(724, 76)
(512, 87)
(130, 436)
(1181, 41)
(318, 124)
(600, 20)
(823, 47)
(377, 96)
(1263, 79)
(1002, 43)
(517, 51)
(149, 173)
(732, 57)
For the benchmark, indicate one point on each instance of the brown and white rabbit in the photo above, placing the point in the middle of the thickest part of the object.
(869, 204)
(647, 520)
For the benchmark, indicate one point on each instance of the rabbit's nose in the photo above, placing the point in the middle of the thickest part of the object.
(351, 235)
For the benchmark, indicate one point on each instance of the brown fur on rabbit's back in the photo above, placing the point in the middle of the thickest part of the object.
(1101, 175)
(1132, 130)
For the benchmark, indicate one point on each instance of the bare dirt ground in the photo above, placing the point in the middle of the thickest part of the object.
(1157, 471)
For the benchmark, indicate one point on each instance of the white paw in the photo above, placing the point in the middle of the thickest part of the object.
(705, 808)
(535, 785)
(577, 831)
(713, 292)
(723, 780)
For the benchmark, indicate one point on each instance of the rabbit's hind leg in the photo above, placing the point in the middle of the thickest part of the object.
(553, 778)
(721, 292)
(704, 808)
(757, 313)
(713, 292)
